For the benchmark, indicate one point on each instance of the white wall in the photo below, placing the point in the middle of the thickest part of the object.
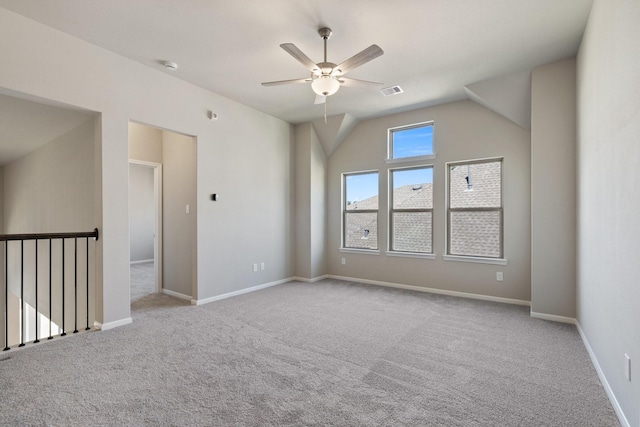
(553, 189)
(244, 156)
(142, 212)
(608, 293)
(463, 131)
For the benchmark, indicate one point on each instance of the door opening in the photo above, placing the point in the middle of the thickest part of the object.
(145, 222)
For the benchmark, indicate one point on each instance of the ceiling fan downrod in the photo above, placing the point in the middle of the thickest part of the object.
(325, 33)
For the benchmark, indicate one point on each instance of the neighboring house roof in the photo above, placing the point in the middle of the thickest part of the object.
(473, 233)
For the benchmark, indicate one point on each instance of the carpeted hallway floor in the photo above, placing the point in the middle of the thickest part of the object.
(142, 278)
(325, 354)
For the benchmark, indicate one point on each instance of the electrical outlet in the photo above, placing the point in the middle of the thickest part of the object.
(499, 276)
(262, 266)
(344, 260)
(255, 267)
(627, 367)
(187, 209)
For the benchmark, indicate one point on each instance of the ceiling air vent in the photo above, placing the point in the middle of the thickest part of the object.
(391, 90)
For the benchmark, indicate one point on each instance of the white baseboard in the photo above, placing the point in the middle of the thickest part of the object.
(142, 261)
(312, 280)
(603, 379)
(111, 325)
(240, 292)
(176, 294)
(554, 318)
(434, 291)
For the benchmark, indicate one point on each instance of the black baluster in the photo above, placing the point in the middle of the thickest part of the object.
(50, 280)
(6, 296)
(63, 332)
(36, 340)
(87, 328)
(75, 286)
(22, 293)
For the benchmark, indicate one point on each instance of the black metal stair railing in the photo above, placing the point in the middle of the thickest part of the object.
(6, 238)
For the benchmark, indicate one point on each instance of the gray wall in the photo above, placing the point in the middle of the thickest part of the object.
(310, 208)
(142, 211)
(608, 204)
(553, 189)
(245, 156)
(179, 232)
(463, 131)
(51, 190)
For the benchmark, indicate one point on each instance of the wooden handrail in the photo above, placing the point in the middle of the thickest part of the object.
(43, 236)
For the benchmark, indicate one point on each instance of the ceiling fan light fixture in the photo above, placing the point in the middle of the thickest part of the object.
(325, 85)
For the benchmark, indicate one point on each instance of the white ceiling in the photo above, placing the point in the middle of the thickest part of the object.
(433, 48)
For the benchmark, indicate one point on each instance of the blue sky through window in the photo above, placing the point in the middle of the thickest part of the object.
(361, 186)
(412, 177)
(412, 142)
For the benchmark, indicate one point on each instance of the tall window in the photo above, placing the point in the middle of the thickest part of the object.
(475, 209)
(411, 218)
(411, 141)
(360, 210)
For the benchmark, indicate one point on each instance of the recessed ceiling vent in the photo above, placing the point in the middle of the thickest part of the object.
(391, 90)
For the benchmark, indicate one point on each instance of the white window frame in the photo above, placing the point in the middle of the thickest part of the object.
(390, 132)
(500, 260)
(390, 250)
(343, 239)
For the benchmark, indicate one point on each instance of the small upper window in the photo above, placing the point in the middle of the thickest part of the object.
(411, 141)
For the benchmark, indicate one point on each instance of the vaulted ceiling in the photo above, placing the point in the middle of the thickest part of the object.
(433, 48)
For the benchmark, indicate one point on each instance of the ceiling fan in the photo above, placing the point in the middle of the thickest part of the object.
(327, 77)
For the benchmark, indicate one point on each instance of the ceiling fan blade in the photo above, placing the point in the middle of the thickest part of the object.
(370, 53)
(299, 55)
(320, 99)
(286, 82)
(344, 81)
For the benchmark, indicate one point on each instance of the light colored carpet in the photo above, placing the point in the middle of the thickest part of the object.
(142, 278)
(324, 354)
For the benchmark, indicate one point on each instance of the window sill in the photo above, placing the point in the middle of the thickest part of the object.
(411, 159)
(478, 260)
(410, 255)
(359, 251)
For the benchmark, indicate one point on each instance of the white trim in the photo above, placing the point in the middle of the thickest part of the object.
(478, 260)
(114, 324)
(434, 291)
(142, 261)
(553, 318)
(312, 280)
(410, 255)
(240, 292)
(176, 295)
(410, 159)
(359, 251)
(603, 379)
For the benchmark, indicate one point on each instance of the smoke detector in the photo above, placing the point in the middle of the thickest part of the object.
(170, 65)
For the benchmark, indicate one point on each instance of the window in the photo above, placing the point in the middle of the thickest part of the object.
(411, 141)
(360, 222)
(411, 218)
(474, 209)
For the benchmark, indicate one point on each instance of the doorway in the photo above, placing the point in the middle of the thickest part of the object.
(171, 158)
(145, 228)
